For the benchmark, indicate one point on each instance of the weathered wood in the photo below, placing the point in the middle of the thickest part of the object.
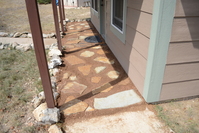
(186, 8)
(180, 90)
(185, 29)
(139, 21)
(142, 5)
(183, 52)
(181, 72)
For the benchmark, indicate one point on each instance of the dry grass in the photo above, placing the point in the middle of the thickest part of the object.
(19, 78)
(14, 16)
(181, 116)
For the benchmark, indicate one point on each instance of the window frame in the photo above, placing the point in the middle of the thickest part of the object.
(121, 34)
(94, 5)
(116, 18)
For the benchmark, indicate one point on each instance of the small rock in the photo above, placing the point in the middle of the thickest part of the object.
(45, 36)
(55, 71)
(51, 35)
(17, 34)
(24, 36)
(29, 35)
(46, 115)
(14, 44)
(3, 34)
(1, 46)
(23, 47)
(6, 45)
(54, 51)
(54, 129)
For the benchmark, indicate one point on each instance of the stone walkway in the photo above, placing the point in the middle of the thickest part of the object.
(92, 83)
(91, 77)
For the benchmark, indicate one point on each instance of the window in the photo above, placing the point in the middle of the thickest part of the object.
(95, 5)
(117, 19)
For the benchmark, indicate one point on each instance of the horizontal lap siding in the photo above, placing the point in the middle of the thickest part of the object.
(95, 19)
(182, 69)
(133, 54)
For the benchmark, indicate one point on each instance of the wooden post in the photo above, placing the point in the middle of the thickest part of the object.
(61, 16)
(35, 26)
(57, 29)
(64, 17)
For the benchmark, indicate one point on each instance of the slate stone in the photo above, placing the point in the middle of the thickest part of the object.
(121, 99)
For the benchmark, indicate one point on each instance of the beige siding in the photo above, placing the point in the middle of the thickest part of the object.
(95, 19)
(181, 77)
(133, 54)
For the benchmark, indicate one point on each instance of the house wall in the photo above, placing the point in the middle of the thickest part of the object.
(132, 54)
(181, 78)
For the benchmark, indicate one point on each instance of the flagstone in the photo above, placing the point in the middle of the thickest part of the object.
(66, 75)
(73, 77)
(89, 109)
(72, 42)
(99, 69)
(101, 52)
(121, 99)
(85, 69)
(97, 47)
(124, 82)
(96, 79)
(73, 60)
(74, 87)
(82, 37)
(87, 54)
(104, 60)
(108, 89)
(113, 74)
(73, 106)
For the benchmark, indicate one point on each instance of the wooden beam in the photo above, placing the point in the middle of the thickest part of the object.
(56, 20)
(35, 26)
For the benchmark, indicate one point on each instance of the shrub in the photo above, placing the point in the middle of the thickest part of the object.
(44, 1)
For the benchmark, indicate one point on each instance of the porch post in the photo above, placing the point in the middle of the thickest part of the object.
(61, 15)
(64, 17)
(57, 29)
(35, 26)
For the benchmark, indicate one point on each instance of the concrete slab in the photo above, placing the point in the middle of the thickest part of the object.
(128, 122)
(121, 99)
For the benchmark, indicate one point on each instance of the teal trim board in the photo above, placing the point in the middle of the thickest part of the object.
(162, 21)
